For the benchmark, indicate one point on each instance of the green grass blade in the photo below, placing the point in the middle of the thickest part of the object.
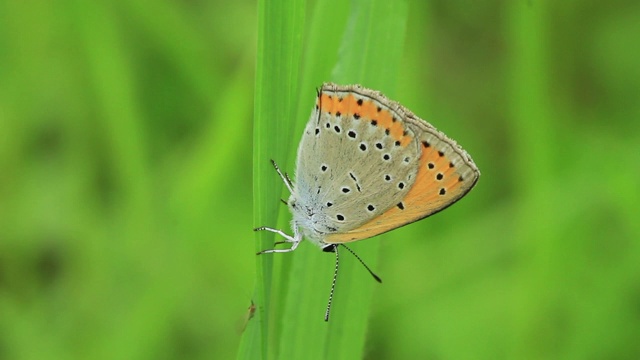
(366, 50)
(280, 25)
(344, 47)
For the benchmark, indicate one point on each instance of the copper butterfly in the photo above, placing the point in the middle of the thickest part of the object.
(367, 165)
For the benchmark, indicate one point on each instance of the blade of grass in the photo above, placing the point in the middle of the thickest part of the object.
(369, 53)
(326, 27)
(280, 28)
(299, 330)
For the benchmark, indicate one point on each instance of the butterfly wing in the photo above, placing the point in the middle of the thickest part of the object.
(356, 160)
(444, 174)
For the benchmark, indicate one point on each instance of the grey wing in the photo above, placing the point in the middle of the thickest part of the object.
(351, 170)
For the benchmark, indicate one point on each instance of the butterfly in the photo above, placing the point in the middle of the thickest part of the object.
(367, 165)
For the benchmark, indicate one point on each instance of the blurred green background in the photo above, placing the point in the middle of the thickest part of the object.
(126, 179)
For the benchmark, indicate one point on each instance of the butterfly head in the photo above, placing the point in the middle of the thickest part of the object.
(312, 223)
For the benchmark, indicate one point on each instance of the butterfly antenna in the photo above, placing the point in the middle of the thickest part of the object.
(362, 262)
(333, 285)
(285, 177)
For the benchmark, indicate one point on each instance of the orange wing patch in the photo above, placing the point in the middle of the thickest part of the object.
(441, 181)
(365, 109)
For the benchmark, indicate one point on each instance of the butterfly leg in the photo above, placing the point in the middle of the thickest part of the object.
(294, 240)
